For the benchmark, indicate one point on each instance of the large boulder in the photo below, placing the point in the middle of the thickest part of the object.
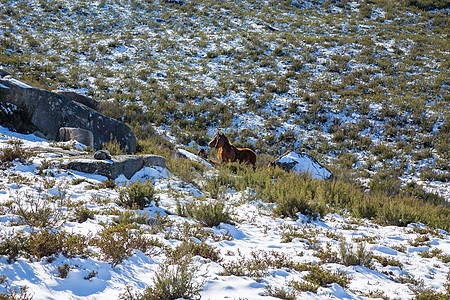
(48, 112)
(89, 102)
(76, 134)
(127, 165)
(302, 163)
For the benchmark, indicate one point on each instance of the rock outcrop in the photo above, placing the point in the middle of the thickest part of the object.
(89, 102)
(127, 165)
(47, 112)
(81, 135)
(302, 163)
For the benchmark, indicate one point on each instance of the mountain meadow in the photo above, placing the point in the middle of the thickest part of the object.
(362, 87)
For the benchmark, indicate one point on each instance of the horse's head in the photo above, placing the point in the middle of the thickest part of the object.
(219, 140)
(216, 141)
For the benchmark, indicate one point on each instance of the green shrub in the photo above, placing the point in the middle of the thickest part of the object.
(118, 241)
(174, 282)
(431, 174)
(387, 261)
(16, 151)
(322, 277)
(82, 214)
(361, 257)
(207, 213)
(130, 217)
(137, 195)
(185, 169)
(113, 147)
(38, 210)
(304, 286)
(47, 243)
(12, 246)
(259, 264)
(279, 293)
(63, 270)
(191, 248)
(428, 4)
(327, 256)
(10, 293)
(107, 184)
(44, 243)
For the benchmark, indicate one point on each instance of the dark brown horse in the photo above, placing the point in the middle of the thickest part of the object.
(230, 153)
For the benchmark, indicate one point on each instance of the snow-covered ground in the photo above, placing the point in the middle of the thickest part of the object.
(337, 78)
(255, 233)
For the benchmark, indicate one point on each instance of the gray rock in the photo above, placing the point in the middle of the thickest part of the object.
(89, 102)
(127, 165)
(76, 134)
(102, 154)
(47, 112)
(39, 134)
(300, 163)
(3, 73)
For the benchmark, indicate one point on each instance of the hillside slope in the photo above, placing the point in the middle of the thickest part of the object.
(68, 235)
(361, 85)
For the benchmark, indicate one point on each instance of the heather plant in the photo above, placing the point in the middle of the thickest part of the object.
(117, 242)
(318, 276)
(279, 293)
(44, 243)
(82, 214)
(38, 210)
(191, 248)
(10, 293)
(63, 270)
(15, 152)
(361, 256)
(113, 147)
(207, 213)
(173, 282)
(137, 195)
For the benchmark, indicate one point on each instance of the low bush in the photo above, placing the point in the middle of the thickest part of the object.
(259, 264)
(118, 241)
(361, 257)
(185, 169)
(137, 195)
(63, 270)
(16, 151)
(10, 293)
(44, 243)
(82, 214)
(387, 261)
(321, 277)
(113, 147)
(207, 213)
(279, 293)
(317, 277)
(174, 282)
(38, 210)
(191, 248)
(316, 197)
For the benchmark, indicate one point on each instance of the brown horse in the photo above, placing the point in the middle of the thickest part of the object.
(230, 153)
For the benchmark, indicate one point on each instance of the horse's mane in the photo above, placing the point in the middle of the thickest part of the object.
(228, 144)
(227, 141)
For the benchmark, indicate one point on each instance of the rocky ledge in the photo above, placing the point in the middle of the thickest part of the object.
(127, 165)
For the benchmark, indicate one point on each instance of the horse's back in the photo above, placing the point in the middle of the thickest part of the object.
(247, 155)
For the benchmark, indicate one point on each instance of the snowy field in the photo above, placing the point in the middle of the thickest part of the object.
(255, 237)
(362, 86)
